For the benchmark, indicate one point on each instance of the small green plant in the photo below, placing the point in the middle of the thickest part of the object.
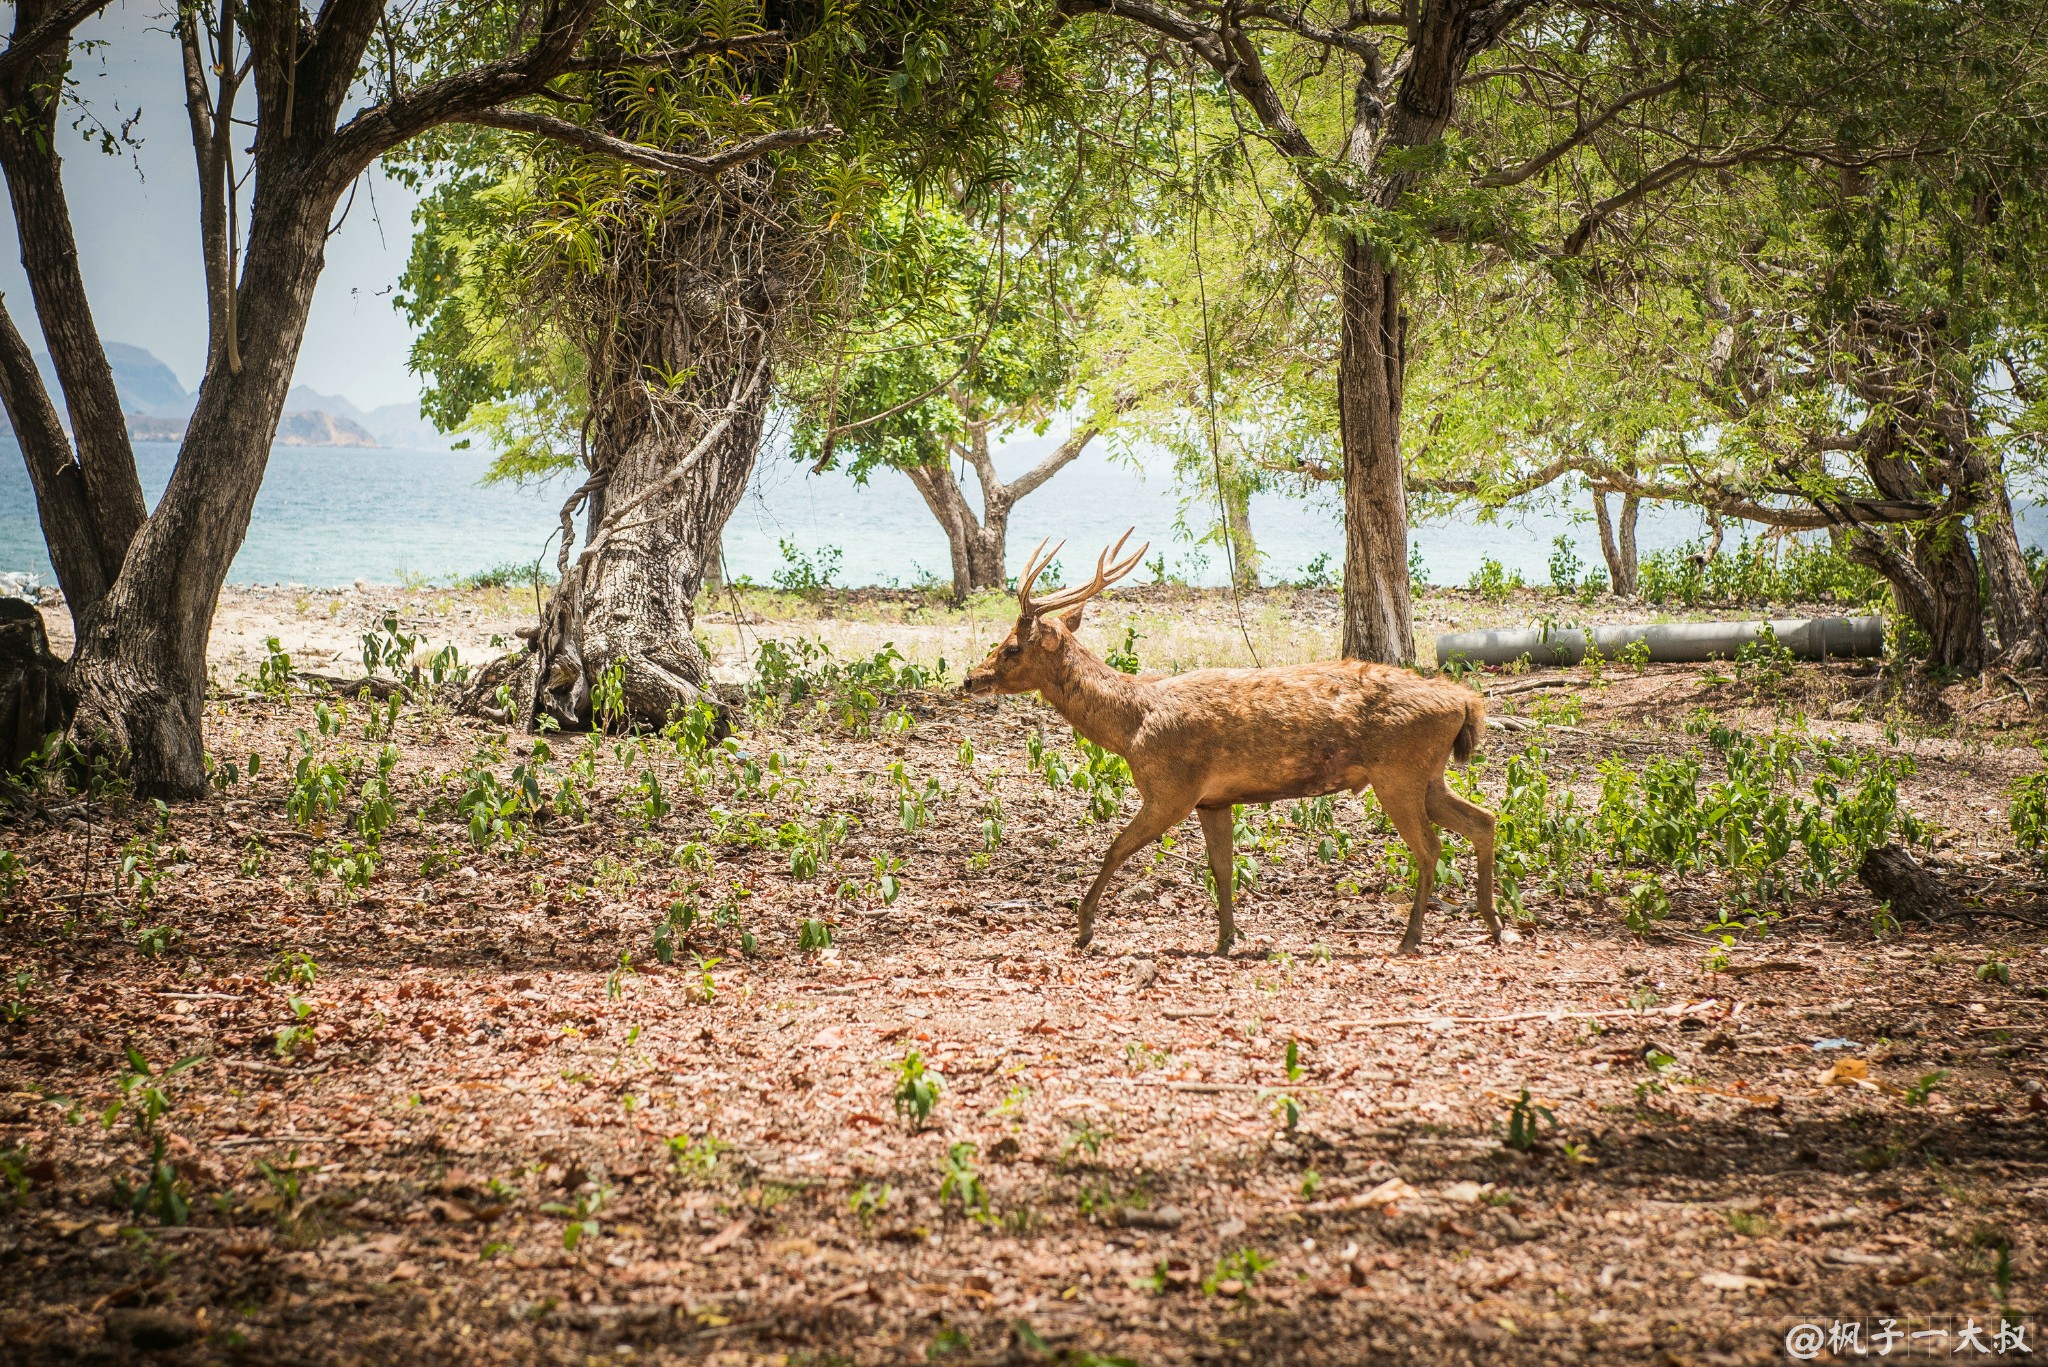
(813, 936)
(18, 1007)
(1494, 582)
(707, 986)
(1236, 1273)
(804, 574)
(696, 1159)
(1565, 566)
(1918, 1093)
(1526, 1119)
(1765, 663)
(155, 941)
(2028, 812)
(1995, 970)
(886, 884)
(1636, 655)
(583, 1222)
(1124, 658)
(871, 1200)
(961, 1182)
(274, 672)
(293, 967)
(144, 1088)
(918, 1089)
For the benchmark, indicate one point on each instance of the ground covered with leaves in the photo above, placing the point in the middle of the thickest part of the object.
(429, 1041)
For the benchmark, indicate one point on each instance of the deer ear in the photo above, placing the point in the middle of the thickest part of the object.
(1044, 635)
(1071, 618)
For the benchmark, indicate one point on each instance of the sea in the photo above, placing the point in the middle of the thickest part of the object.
(328, 517)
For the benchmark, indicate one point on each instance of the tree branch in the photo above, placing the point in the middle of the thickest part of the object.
(641, 155)
(1515, 176)
(453, 99)
(1062, 456)
(45, 34)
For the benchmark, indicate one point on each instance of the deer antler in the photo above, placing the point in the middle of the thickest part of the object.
(1033, 567)
(1106, 574)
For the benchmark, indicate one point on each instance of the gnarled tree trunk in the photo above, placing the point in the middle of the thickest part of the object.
(696, 298)
(2016, 603)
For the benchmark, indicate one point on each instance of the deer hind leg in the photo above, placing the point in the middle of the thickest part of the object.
(1406, 806)
(1153, 820)
(1475, 823)
(1218, 833)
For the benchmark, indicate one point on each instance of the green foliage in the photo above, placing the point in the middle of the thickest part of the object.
(918, 1089)
(806, 575)
(1494, 582)
(1526, 1119)
(962, 1183)
(1236, 1273)
(2027, 813)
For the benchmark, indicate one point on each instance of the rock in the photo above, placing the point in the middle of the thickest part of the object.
(1894, 876)
(1163, 1217)
(150, 1330)
(1230, 1228)
(32, 697)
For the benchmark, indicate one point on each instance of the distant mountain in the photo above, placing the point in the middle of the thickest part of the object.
(393, 424)
(146, 385)
(158, 407)
(322, 429)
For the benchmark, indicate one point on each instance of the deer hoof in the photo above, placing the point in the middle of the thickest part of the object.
(1411, 949)
(1082, 940)
(1508, 936)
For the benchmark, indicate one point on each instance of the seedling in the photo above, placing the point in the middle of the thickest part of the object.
(813, 936)
(1525, 1119)
(918, 1089)
(962, 1183)
(583, 1223)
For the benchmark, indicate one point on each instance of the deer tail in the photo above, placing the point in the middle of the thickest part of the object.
(1470, 733)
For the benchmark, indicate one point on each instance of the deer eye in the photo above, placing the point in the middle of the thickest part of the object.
(1012, 648)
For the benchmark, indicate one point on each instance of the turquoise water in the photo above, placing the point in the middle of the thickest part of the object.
(329, 517)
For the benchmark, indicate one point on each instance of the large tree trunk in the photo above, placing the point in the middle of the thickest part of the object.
(1377, 622)
(695, 296)
(139, 671)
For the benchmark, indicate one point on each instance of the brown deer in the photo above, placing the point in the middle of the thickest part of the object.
(1201, 741)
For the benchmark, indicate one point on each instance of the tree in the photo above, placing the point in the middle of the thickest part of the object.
(1507, 130)
(324, 105)
(596, 317)
(961, 337)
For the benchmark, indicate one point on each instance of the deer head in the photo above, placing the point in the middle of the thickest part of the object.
(1028, 658)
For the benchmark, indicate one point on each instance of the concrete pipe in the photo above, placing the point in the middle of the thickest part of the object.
(1808, 638)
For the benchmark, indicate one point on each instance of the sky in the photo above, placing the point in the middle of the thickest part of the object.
(137, 221)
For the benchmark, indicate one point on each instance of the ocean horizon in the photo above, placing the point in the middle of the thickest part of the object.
(327, 517)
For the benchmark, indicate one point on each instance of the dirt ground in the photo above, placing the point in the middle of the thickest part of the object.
(481, 1133)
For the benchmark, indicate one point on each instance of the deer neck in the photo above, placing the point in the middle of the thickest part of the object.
(1102, 704)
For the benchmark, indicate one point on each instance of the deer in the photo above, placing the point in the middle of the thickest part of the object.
(1201, 742)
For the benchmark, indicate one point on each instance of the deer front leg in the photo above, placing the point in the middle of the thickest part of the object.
(1153, 820)
(1219, 833)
